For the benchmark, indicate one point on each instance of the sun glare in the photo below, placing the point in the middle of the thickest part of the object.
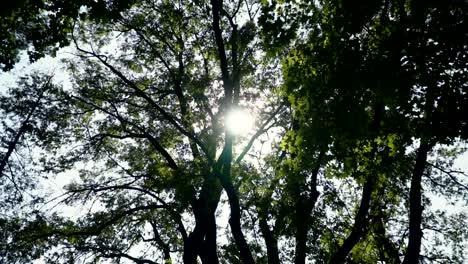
(239, 122)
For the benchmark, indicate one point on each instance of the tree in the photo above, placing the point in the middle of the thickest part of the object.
(138, 112)
(363, 75)
(28, 119)
(363, 103)
(41, 27)
(32, 118)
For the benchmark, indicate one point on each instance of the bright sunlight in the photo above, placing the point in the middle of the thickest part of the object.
(239, 122)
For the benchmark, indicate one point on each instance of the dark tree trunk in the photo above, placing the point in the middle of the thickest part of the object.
(208, 252)
(234, 220)
(202, 240)
(302, 227)
(416, 208)
(263, 208)
(233, 198)
(360, 226)
(304, 208)
(191, 246)
(231, 96)
(270, 239)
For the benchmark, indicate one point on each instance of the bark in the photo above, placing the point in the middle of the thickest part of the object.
(216, 6)
(202, 240)
(270, 239)
(190, 246)
(304, 208)
(302, 224)
(164, 246)
(234, 223)
(231, 91)
(359, 228)
(195, 243)
(208, 252)
(234, 219)
(416, 208)
(361, 221)
(263, 207)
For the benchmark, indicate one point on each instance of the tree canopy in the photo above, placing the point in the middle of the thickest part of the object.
(361, 112)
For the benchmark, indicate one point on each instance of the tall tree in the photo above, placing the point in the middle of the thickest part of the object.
(361, 74)
(151, 115)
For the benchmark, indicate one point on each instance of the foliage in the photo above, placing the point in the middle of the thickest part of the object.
(41, 27)
(361, 107)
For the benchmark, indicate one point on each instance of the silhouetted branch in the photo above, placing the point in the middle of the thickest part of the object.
(12, 145)
(450, 174)
(143, 95)
(263, 128)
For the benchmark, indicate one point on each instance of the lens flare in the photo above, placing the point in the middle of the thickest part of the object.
(239, 122)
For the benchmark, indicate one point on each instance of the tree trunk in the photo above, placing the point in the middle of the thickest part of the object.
(208, 252)
(263, 208)
(304, 207)
(234, 220)
(416, 208)
(270, 239)
(360, 225)
(202, 240)
(302, 224)
(191, 246)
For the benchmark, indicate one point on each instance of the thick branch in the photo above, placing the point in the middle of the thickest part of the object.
(268, 235)
(304, 207)
(234, 219)
(165, 247)
(217, 6)
(361, 221)
(204, 232)
(360, 226)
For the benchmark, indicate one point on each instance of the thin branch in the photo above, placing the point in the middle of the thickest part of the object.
(12, 145)
(263, 128)
(449, 173)
(144, 134)
(170, 161)
(127, 186)
(115, 254)
(143, 95)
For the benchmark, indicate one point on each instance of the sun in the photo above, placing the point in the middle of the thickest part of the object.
(239, 122)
